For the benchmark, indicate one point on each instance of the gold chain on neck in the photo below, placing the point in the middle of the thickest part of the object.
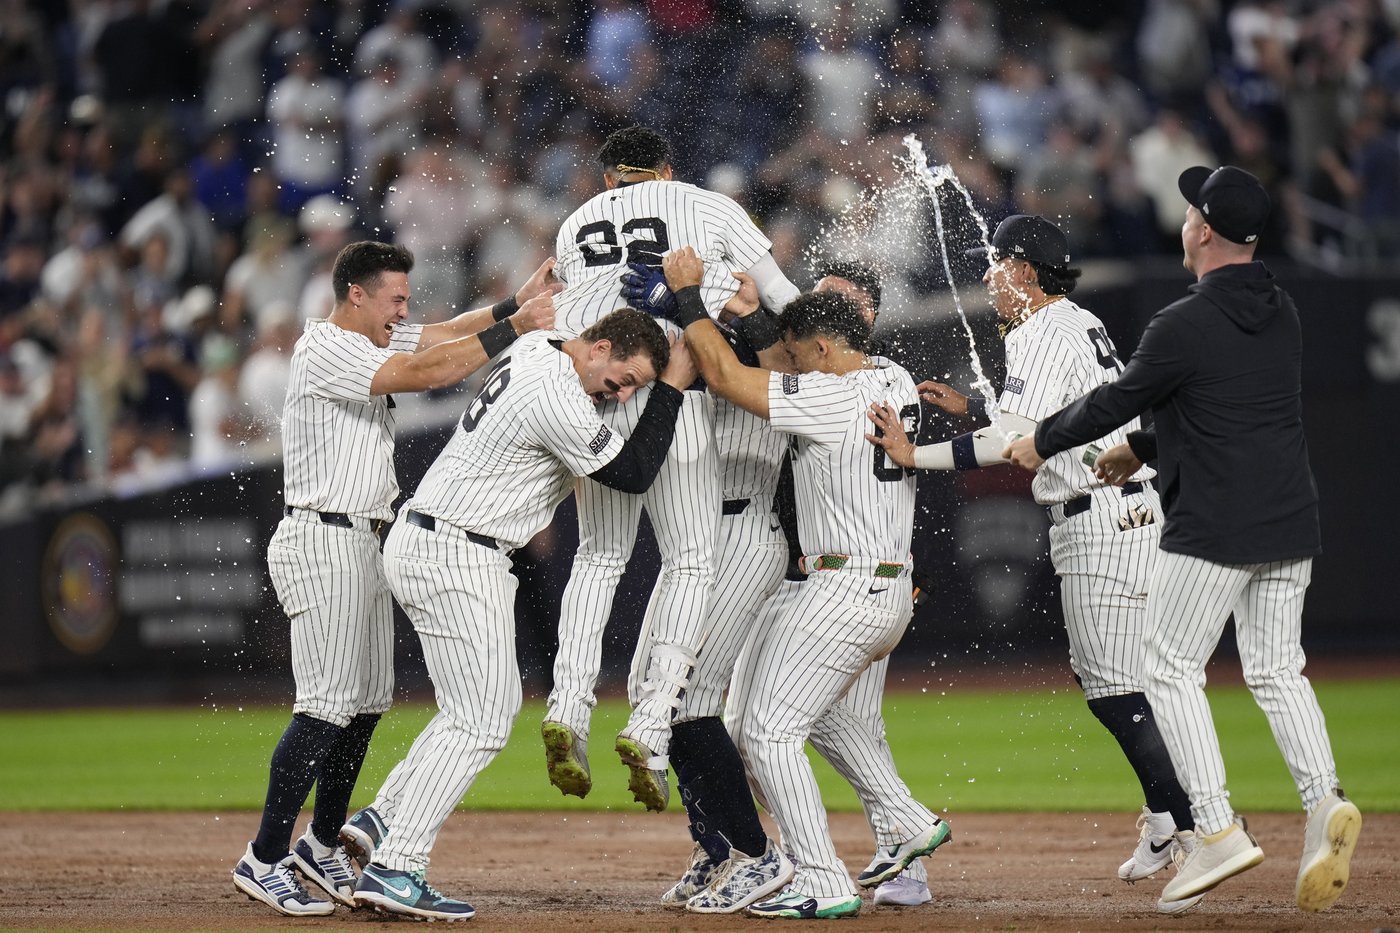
(629, 169)
(1006, 327)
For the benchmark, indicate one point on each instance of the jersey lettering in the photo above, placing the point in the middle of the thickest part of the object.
(496, 383)
(598, 242)
(889, 472)
(1104, 350)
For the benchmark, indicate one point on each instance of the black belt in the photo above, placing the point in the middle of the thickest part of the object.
(338, 519)
(428, 523)
(734, 506)
(1083, 503)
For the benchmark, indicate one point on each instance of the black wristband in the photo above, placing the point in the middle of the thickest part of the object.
(689, 307)
(759, 330)
(964, 454)
(504, 309)
(497, 337)
(977, 407)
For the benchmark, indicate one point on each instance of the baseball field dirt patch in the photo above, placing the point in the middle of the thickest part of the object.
(604, 871)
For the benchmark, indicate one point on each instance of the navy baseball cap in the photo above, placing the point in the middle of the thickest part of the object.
(1026, 236)
(1233, 201)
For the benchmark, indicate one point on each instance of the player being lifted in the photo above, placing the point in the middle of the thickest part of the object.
(1103, 541)
(641, 215)
(855, 518)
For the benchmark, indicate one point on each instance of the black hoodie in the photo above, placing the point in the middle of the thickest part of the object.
(1221, 370)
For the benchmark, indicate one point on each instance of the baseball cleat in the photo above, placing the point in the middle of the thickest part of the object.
(794, 905)
(648, 782)
(329, 869)
(1328, 842)
(1156, 838)
(361, 834)
(277, 887)
(742, 880)
(566, 758)
(1215, 858)
(699, 873)
(891, 860)
(407, 893)
(1185, 842)
(902, 891)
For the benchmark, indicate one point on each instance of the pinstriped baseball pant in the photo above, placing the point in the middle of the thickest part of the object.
(460, 597)
(330, 582)
(832, 631)
(684, 507)
(1188, 602)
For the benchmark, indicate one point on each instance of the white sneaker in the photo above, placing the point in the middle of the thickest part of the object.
(1183, 844)
(742, 880)
(902, 891)
(1328, 842)
(700, 872)
(1156, 836)
(277, 887)
(330, 869)
(1216, 857)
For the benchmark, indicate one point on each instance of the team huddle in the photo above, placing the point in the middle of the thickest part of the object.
(663, 361)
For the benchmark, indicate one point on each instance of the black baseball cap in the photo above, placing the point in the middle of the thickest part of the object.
(1026, 236)
(1233, 201)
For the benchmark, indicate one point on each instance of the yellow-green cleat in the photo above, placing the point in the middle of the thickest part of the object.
(648, 782)
(566, 759)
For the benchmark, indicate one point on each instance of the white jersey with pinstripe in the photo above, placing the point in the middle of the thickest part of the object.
(338, 459)
(1103, 556)
(511, 460)
(643, 221)
(852, 504)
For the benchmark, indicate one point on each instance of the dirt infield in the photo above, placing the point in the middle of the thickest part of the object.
(602, 872)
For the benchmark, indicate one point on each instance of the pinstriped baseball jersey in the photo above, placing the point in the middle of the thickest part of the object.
(856, 502)
(338, 439)
(517, 448)
(750, 453)
(643, 222)
(1058, 354)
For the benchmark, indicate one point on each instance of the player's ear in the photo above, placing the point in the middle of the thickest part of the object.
(609, 179)
(666, 173)
(601, 349)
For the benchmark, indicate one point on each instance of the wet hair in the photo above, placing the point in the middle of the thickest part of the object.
(859, 274)
(1055, 280)
(636, 146)
(363, 264)
(631, 332)
(826, 314)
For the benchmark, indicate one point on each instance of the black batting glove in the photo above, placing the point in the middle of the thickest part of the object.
(644, 288)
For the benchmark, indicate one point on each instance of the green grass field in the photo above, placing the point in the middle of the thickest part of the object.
(969, 750)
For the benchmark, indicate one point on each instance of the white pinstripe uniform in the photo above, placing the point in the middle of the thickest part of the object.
(512, 459)
(853, 504)
(338, 460)
(1104, 555)
(642, 222)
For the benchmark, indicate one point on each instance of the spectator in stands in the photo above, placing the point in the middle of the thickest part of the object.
(219, 424)
(1013, 111)
(183, 223)
(307, 112)
(843, 79)
(326, 223)
(262, 383)
(383, 123)
(1159, 155)
(267, 273)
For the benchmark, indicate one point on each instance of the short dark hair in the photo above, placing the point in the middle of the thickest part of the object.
(636, 146)
(826, 314)
(631, 331)
(1055, 280)
(862, 275)
(363, 263)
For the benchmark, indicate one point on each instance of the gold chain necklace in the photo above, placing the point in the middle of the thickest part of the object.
(1006, 327)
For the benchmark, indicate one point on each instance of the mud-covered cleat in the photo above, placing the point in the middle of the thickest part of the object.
(362, 834)
(648, 782)
(566, 758)
(1328, 842)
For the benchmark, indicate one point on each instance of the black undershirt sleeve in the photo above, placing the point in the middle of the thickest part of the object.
(637, 463)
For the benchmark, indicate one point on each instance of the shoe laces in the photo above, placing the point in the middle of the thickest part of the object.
(421, 879)
(281, 881)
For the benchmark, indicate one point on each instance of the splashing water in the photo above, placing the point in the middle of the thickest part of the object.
(932, 179)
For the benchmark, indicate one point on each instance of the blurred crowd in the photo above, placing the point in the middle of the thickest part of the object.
(176, 175)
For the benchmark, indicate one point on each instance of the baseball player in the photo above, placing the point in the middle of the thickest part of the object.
(643, 214)
(1103, 541)
(733, 864)
(338, 468)
(856, 515)
(1222, 371)
(513, 457)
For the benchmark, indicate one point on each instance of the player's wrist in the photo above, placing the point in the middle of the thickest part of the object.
(504, 309)
(689, 306)
(759, 330)
(497, 337)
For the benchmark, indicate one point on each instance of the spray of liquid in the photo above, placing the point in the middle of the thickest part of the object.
(933, 178)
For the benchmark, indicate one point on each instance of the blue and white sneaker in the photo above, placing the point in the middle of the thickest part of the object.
(407, 893)
(362, 834)
(743, 879)
(330, 869)
(891, 860)
(794, 905)
(700, 872)
(277, 887)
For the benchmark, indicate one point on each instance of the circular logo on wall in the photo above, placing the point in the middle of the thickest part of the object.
(78, 583)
